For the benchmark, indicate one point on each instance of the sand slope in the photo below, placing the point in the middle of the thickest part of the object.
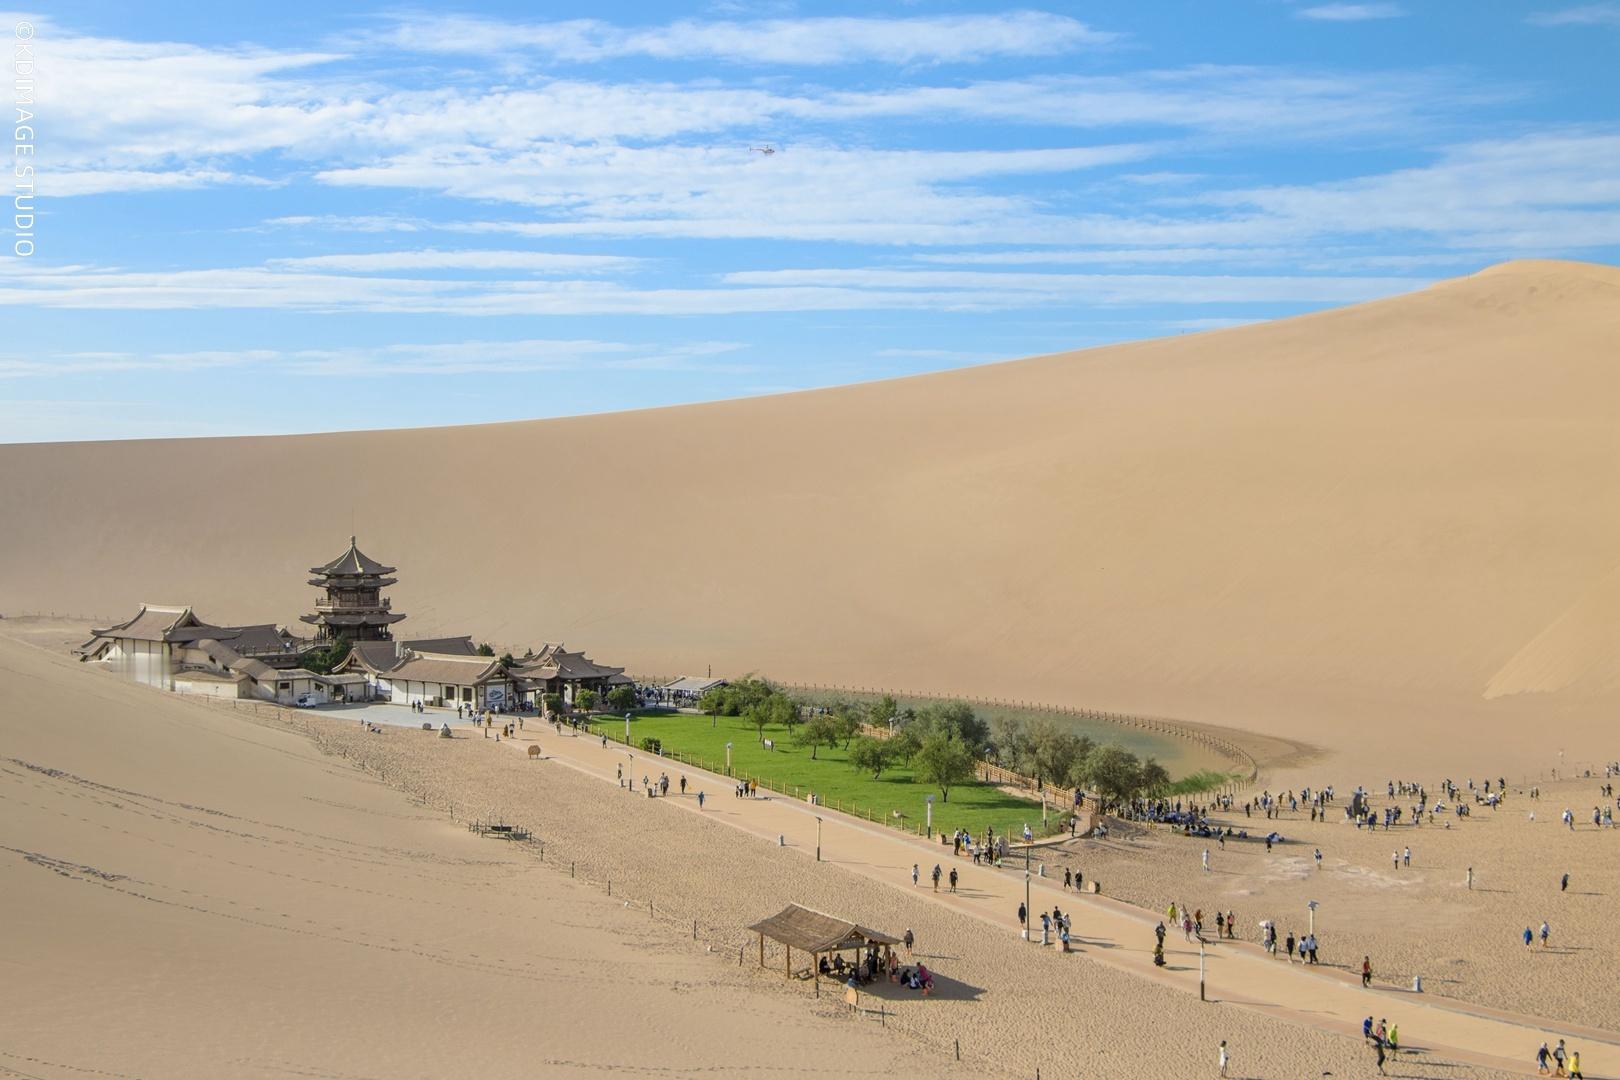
(190, 894)
(1375, 528)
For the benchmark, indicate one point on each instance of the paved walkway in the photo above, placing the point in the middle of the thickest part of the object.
(1109, 931)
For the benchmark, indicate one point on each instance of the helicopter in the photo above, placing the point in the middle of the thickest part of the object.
(767, 149)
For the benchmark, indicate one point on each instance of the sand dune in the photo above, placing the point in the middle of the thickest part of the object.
(1378, 528)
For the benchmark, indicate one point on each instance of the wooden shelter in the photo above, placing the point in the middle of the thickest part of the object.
(816, 933)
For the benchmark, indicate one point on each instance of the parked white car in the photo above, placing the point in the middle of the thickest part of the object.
(306, 701)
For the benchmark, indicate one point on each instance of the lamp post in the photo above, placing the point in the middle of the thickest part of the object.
(1201, 996)
(728, 759)
(818, 839)
(627, 729)
(930, 812)
(1026, 892)
(1312, 905)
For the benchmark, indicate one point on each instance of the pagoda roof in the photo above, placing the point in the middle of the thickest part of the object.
(555, 662)
(353, 563)
(364, 618)
(158, 622)
(447, 668)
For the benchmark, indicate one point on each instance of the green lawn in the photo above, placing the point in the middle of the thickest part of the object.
(790, 770)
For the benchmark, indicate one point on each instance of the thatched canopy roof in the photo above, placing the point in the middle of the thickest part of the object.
(814, 931)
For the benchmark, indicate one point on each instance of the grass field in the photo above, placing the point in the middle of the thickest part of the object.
(790, 770)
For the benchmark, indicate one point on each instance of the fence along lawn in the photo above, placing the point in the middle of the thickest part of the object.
(789, 769)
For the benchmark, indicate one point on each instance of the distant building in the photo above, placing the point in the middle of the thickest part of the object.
(447, 679)
(171, 648)
(354, 608)
(555, 670)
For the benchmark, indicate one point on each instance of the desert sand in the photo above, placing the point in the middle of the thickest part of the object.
(1387, 529)
(196, 890)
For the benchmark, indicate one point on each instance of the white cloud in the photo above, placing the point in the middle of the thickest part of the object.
(1585, 15)
(63, 183)
(535, 261)
(454, 358)
(1093, 288)
(803, 41)
(610, 190)
(1352, 12)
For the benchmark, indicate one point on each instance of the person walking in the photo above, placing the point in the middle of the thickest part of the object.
(1470, 879)
(1023, 917)
(1288, 946)
(1318, 858)
(908, 940)
(1529, 936)
(1575, 1066)
(700, 800)
(1366, 971)
(1068, 877)
(1378, 1049)
(1545, 930)
(953, 879)
(1406, 857)
(1559, 1057)
(683, 783)
(1206, 860)
(1225, 1058)
(1563, 883)
(936, 874)
(916, 875)
(1543, 1059)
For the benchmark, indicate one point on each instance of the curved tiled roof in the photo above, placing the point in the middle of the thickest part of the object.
(353, 562)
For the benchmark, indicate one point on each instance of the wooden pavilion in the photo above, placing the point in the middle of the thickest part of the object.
(818, 934)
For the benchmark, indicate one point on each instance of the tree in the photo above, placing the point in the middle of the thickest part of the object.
(587, 700)
(622, 698)
(818, 731)
(847, 719)
(957, 717)
(945, 760)
(904, 744)
(1155, 777)
(1114, 772)
(774, 708)
(1055, 752)
(507, 660)
(486, 649)
(871, 755)
(323, 661)
(553, 703)
(883, 712)
(1010, 741)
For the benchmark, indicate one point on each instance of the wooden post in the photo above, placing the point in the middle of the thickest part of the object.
(762, 949)
(788, 973)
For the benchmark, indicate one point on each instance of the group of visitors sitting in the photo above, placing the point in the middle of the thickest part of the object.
(871, 967)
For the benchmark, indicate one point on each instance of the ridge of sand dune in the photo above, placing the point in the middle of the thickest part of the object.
(1342, 527)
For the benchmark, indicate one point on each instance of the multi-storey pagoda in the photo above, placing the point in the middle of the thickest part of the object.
(354, 607)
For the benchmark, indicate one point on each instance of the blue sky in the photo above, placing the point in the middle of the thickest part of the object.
(313, 217)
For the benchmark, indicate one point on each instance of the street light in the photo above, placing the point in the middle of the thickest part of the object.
(930, 817)
(728, 759)
(1312, 905)
(818, 839)
(627, 729)
(1026, 891)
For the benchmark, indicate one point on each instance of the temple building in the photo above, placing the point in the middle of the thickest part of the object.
(354, 608)
(555, 670)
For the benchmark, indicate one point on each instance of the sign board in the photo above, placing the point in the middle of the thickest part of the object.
(494, 696)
